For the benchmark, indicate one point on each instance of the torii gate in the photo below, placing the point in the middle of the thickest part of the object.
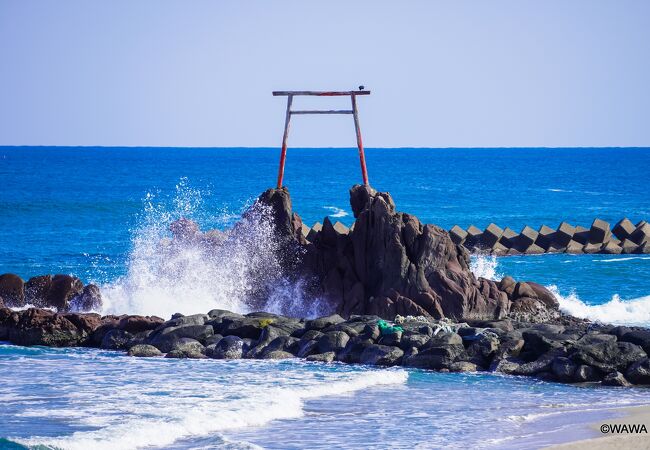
(353, 111)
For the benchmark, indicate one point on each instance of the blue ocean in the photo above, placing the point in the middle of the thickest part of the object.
(98, 213)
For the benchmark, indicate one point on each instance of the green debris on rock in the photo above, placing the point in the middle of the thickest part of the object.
(385, 328)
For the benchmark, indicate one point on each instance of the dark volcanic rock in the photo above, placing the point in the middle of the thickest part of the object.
(37, 289)
(116, 340)
(230, 347)
(90, 299)
(187, 348)
(332, 341)
(389, 263)
(323, 322)
(245, 327)
(638, 337)
(41, 327)
(166, 338)
(12, 290)
(639, 372)
(145, 351)
(381, 355)
(322, 357)
(608, 356)
(615, 379)
(62, 289)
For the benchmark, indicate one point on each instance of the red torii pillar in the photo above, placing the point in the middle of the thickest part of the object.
(353, 111)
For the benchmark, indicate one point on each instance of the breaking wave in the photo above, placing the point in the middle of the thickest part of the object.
(336, 212)
(150, 408)
(616, 311)
(165, 276)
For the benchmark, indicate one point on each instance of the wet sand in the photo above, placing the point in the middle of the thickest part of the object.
(639, 441)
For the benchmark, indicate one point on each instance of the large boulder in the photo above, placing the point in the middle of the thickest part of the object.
(166, 338)
(90, 299)
(43, 327)
(381, 355)
(116, 340)
(608, 356)
(12, 290)
(230, 347)
(144, 351)
(332, 341)
(63, 289)
(639, 372)
(244, 327)
(187, 348)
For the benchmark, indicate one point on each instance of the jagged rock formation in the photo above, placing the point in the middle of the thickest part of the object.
(60, 292)
(390, 263)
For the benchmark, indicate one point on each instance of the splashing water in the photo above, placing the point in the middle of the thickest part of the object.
(485, 266)
(166, 276)
(616, 311)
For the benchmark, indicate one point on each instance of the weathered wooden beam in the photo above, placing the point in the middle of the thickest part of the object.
(362, 156)
(285, 136)
(321, 93)
(332, 111)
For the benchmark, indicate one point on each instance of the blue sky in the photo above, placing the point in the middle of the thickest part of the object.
(443, 73)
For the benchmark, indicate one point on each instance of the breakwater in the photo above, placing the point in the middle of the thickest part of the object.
(624, 237)
(566, 349)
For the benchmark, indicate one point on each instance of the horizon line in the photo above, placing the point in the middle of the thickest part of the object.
(329, 148)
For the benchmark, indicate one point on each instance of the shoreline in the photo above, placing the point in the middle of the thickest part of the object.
(630, 441)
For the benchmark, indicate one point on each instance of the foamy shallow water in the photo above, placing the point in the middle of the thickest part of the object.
(88, 398)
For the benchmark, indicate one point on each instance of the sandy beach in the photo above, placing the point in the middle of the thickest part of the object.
(632, 441)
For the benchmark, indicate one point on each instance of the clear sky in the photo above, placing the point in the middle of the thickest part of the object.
(442, 73)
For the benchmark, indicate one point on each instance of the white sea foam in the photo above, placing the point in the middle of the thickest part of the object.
(146, 421)
(164, 276)
(485, 266)
(616, 311)
(629, 258)
(336, 212)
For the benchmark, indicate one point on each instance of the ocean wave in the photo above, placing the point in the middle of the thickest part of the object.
(616, 311)
(336, 212)
(197, 416)
(628, 258)
(558, 190)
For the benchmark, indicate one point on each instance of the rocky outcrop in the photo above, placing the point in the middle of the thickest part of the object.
(567, 350)
(390, 263)
(12, 290)
(59, 292)
(43, 327)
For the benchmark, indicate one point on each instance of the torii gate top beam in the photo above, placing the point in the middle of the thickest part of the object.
(353, 111)
(320, 93)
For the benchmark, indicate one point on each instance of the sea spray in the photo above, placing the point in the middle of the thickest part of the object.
(241, 272)
(615, 311)
(485, 266)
